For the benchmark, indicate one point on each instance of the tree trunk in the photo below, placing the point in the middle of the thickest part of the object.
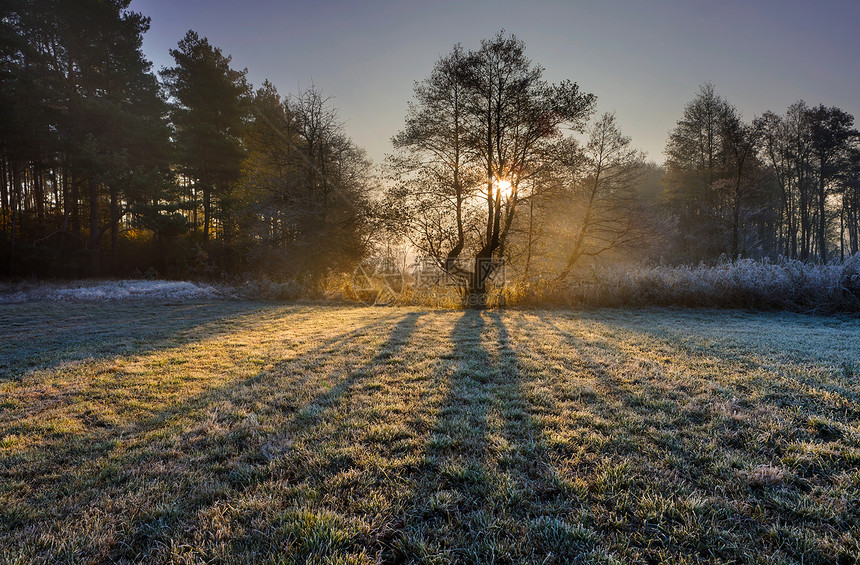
(207, 201)
(196, 205)
(4, 190)
(95, 252)
(476, 293)
(854, 224)
(822, 219)
(39, 193)
(736, 220)
(15, 196)
(804, 222)
(792, 227)
(530, 242)
(73, 205)
(66, 204)
(114, 228)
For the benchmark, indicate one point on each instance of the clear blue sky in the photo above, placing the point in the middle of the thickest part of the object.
(644, 59)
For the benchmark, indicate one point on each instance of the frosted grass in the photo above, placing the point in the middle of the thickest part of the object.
(784, 284)
(98, 291)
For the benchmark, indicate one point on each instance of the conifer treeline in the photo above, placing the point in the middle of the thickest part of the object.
(109, 168)
(105, 170)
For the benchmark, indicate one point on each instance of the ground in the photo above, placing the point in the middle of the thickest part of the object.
(257, 432)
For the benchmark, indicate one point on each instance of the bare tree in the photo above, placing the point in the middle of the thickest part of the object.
(605, 204)
(740, 143)
(433, 167)
(777, 152)
(849, 214)
(832, 136)
(808, 151)
(695, 163)
(305, 187)
(481, 128)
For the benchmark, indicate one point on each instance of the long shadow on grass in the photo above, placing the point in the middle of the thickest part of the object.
(450, 493)
(744, 340)
(650, 410)
(668, 442)
(314, 451)
(260, 457)
(397, 340)
(106, 459)
(64, 447)
(539, 506)
(159, 416)
(666, 409)
(44, 336)
(522, 428)
(462, 426)
(489, 488)
(681, 380)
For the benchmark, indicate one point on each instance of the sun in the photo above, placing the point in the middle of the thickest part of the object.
(505, 187)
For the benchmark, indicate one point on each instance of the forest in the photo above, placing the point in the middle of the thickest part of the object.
(111, 168)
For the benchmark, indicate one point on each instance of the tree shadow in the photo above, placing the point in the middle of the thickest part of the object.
(522, 426)
(270, 455)
(45, 336)
(397, 339)
(628, 398)
(103, 439)
(666, 424)
(239, 453)
(461, 427)
(99, 391)
(642, 373)
(489, 476)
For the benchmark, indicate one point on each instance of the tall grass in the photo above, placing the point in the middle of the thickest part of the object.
(784, 284)
(746, 283)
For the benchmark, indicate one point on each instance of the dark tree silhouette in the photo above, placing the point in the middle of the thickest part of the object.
(481, 127)
(209, 108)
(82, 126)
(831, 136)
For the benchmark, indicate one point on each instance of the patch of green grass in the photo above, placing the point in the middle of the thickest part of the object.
(253, 432)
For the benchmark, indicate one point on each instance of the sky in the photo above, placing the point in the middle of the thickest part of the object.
(643, 59)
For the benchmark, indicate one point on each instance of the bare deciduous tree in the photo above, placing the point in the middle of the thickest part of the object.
(481, 128)
(604, 203)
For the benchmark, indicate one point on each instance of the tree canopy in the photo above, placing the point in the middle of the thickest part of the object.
(105, 170)
(482, 127)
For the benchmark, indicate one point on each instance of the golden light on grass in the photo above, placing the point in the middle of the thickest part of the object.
(357, 435)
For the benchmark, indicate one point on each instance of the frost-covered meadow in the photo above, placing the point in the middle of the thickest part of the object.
(228, 430)
(96, 290)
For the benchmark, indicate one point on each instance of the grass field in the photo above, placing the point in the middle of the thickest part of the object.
(259, 432)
